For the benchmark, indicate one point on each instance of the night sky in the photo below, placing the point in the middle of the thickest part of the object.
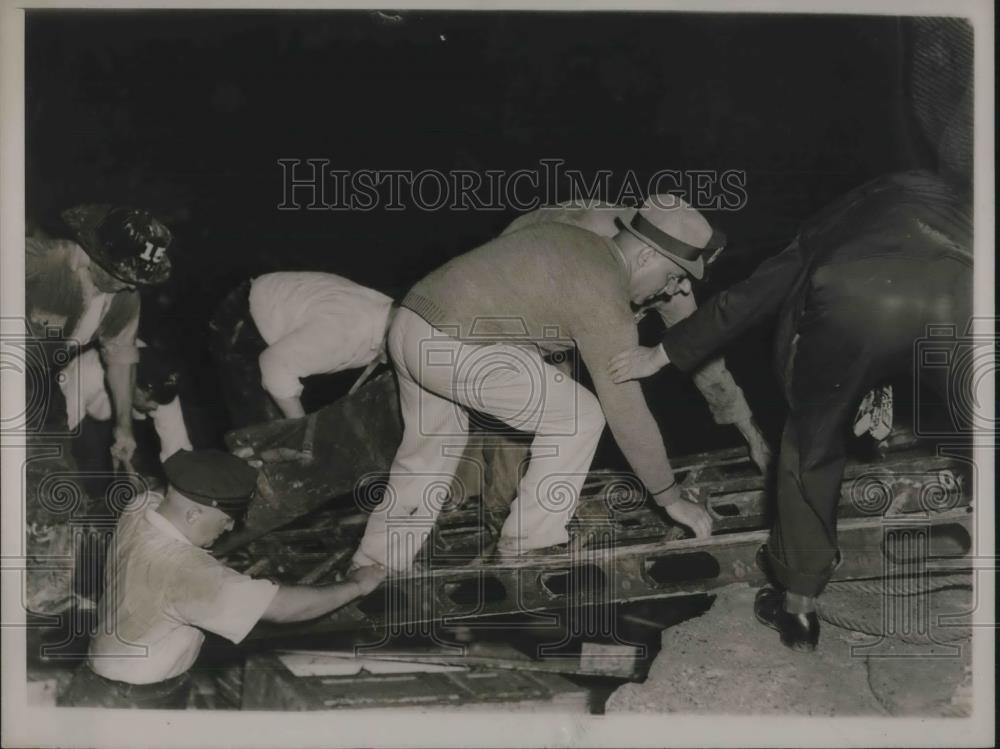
(187, 113)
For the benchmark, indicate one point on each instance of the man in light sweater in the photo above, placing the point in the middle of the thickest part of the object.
(472, 335)
(724, 397)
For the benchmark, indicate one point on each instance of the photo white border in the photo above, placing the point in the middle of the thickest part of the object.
(41, 727)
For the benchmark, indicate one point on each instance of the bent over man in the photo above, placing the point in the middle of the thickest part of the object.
(724, 397)
(472, 335)
(155, 396)
(273, 331)
(86, 290)
(80, 294)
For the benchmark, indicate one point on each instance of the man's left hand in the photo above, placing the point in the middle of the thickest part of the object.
(760, 450)
(123, 449)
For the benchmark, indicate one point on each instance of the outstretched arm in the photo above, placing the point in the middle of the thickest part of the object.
(120, 356)
(728, 314)
(723, 318)
(296, 603)
(633, 426)
(713, 379)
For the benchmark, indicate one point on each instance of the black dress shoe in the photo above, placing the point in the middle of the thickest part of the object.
(798, 631)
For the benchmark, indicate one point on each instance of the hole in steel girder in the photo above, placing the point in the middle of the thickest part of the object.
(582, 580)
(950, 540)
(726, 509)
(627, 522)
(486, 589)
(920, 542)
(682, 568)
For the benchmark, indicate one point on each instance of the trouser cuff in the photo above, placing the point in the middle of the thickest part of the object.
(794, 581)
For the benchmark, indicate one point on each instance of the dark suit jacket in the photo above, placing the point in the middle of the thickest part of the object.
(890, 214)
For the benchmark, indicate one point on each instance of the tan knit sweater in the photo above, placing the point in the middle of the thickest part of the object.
(554, 286)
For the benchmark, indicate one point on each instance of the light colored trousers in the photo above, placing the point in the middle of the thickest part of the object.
(439, 378)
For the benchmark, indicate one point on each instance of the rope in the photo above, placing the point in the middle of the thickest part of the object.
(903, 586)
(898, 587)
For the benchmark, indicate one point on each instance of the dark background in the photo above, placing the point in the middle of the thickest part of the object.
(187, 113)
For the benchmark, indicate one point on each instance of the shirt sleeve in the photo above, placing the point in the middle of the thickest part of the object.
(121, 348)
(317, 347)
(170, 428)
(729, 313)
(71, 384)
(49, 279)
(209, 595)
(82, 384)
(281, 368)
(724, 397)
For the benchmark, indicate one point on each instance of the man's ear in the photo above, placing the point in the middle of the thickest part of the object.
(645, 255)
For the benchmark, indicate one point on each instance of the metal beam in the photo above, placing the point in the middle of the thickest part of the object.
(616, 573)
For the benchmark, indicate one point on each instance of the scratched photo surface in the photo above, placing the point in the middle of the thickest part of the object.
(569, 367)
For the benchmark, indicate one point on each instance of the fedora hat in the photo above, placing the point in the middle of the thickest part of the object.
(129, 243)
(676, 230)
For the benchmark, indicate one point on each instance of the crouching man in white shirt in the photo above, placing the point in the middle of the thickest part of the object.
(282, 327)
(83, 383)
(163, 588)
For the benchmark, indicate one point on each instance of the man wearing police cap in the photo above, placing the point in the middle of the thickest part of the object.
(163, 588)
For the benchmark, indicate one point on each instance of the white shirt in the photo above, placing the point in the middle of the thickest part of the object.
(160, 592)
(314, 323)
(82, 382)
(94, 310)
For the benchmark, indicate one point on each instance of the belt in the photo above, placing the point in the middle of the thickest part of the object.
(165, 687)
